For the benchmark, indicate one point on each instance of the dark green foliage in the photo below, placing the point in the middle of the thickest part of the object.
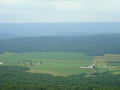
(16, 78)
(92, 45)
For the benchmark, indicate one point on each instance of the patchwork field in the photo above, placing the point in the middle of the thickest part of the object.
(108, 61)
(61, 63)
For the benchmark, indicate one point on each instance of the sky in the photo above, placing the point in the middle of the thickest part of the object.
(17, 11)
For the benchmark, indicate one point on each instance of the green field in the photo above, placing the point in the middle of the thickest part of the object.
(61, 63)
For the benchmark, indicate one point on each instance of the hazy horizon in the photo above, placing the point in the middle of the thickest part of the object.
(59, 17)
(49, 29)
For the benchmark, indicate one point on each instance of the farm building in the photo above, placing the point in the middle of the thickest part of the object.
(27, 62)
(88, 67)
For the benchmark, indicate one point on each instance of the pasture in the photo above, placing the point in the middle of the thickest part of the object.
(61, 63)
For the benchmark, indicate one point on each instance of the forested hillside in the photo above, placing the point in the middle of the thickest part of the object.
(92, 45)
(16, 78)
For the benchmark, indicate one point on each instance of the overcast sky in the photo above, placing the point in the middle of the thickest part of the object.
(59, 10)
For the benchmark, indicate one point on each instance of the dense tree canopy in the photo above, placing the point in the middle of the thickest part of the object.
(16, 78)
(92, 45)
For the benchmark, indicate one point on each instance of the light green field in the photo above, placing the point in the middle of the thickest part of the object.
(56, 63)
(61, 63)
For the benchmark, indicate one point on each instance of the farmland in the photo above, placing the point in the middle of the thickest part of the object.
(62, 63)
(111, 61)
(58, 71)
(56, 63)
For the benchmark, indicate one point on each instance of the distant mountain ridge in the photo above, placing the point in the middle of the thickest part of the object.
(7, 36)
(91, 44)
(60, 29)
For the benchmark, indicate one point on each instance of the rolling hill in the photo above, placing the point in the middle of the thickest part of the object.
(91, 44)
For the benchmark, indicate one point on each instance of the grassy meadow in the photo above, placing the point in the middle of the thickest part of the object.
(61, 63)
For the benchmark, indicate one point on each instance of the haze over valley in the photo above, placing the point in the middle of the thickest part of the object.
(59, 44)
